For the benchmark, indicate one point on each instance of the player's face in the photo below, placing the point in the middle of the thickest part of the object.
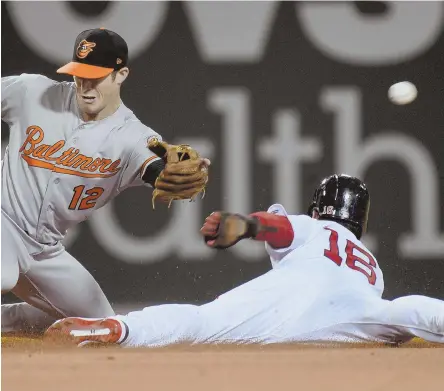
(99, 98)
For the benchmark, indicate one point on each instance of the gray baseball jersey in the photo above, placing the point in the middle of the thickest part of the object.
(56, 171)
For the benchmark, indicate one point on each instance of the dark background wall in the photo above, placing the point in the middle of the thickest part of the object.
(279, 95)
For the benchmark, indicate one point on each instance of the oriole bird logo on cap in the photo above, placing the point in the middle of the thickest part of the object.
(84, 48)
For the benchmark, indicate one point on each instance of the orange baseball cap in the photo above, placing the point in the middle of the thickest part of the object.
(97, 53)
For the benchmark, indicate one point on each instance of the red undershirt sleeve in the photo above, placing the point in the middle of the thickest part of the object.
(279, 232)
(290, 231)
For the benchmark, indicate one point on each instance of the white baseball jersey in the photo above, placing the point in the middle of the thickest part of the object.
(58, 169)
(329, 252)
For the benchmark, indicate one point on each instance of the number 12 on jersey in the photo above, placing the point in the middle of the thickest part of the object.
(88, 201)
(352, 260)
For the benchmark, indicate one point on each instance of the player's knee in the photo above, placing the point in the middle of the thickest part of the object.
(421, 311)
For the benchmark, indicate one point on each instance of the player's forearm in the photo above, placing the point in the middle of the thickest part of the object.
(153, 171)
(275, 230)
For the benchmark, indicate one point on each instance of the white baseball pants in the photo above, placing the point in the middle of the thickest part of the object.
(279, 307)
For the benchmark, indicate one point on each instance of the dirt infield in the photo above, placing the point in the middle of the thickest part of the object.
(27, 365)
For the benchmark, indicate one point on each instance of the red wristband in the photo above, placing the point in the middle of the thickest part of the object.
(280, 236)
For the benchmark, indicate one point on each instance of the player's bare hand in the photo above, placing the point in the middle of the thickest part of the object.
(210, 227)
(222, 230)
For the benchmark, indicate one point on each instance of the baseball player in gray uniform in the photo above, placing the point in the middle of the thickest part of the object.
(73, 147)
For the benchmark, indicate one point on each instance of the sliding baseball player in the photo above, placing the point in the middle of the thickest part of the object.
(325, 286)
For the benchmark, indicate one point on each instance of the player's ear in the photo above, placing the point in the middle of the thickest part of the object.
(121, 75)
(315, 213)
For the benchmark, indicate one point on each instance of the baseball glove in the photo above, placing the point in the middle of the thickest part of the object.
(185, 174)
(222, 230)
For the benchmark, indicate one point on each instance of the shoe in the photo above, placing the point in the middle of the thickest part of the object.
(83, 331)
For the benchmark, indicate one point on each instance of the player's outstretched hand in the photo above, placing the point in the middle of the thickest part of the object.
(222, 230)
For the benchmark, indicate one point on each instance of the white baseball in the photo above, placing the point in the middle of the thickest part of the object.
(402, 93)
